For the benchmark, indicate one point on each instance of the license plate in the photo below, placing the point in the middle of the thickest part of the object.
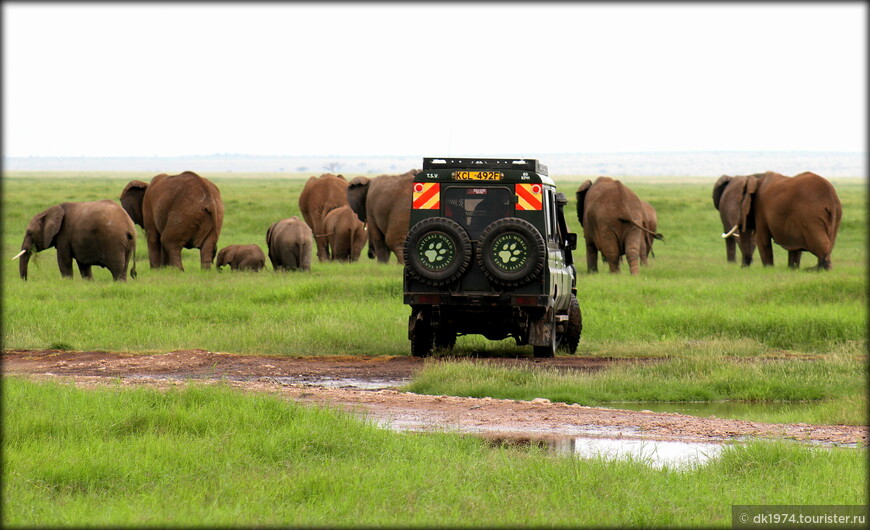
(478, 175)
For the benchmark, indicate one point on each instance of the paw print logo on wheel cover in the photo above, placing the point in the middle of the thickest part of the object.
(510, 251)
(436, 251)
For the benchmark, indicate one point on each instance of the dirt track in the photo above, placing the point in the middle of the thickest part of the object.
(365, 385)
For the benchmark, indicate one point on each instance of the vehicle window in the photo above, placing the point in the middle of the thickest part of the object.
(475, 208)
(551, 215)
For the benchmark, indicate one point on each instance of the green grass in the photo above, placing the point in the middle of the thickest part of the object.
(829, 391)
(207, 456)
(688, 293)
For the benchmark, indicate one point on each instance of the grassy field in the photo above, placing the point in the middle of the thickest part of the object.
(718, 330)
(200, 456)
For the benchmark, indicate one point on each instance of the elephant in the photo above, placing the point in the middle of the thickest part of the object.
(612, 217)
(384, 205)
(727, 195)
(319, 196)
(346, 234)
(178, 211)
(650, 222)
(800, 213)
(241, 257)
(289, 244)
(91, 233)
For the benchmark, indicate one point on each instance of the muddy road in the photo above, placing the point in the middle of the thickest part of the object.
(368, 386)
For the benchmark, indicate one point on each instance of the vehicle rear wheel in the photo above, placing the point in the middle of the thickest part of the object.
(422, 336)
(571, 336)
(445, 340)
(548, 350)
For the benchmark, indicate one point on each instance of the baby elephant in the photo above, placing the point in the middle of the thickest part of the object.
(346, 234)
(91, 233)
(289, 243)
(241, 258)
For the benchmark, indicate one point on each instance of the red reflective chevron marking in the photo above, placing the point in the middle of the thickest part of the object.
(427, 196)
(529, 197)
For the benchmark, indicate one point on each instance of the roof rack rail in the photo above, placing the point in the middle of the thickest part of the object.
(528, 164)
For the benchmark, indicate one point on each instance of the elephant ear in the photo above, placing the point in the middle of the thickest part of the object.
(269, 236)
(357, 190)
(719, 187)
(131, 200)
(52, 219)
(747, 211)
(581, 199)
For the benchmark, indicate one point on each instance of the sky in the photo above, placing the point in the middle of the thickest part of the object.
(431, 79)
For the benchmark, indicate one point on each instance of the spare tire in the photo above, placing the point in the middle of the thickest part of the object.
(511, 252)
(437, 251)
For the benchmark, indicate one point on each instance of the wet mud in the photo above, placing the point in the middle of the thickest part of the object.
(366, 386)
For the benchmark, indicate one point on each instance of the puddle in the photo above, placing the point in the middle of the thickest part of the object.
(343, 382)
(327, 382)
(719, 409)
(655, 453)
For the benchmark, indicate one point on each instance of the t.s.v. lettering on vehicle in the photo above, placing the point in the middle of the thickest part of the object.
(488, 252)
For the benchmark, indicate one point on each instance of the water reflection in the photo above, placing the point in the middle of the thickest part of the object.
(655, 453)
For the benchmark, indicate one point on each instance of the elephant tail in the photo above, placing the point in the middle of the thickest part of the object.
(655, 235)
(133, 269)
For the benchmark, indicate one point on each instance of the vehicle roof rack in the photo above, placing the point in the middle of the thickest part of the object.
(528, 164)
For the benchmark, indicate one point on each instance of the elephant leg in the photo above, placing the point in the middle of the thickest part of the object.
(155, 249)
(85, 271)
(305, 259)
(376, 240)
(633, 245)
(794, 258)
(747, 248)
(322, 242)
(396, 242)
(592, 256)
(207, 253)
(64, 263)
(173, 256)
(731, 249)
(825, 262)
(765, 247)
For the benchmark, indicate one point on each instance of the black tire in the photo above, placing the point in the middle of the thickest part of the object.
(445, 340)
(571, 337)
(422, 339)
(437, 251)
(511, 252)
(549, 350)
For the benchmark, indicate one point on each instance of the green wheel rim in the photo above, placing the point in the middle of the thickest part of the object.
(509, 252)
(436, 251)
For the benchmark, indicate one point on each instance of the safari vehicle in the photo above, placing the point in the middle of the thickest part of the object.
(488, 252)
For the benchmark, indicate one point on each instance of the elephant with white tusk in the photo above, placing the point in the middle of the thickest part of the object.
(801, 213)
(727, 197)
(91, 233)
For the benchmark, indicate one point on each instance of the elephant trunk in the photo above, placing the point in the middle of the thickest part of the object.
(24, 256)
(25, 261)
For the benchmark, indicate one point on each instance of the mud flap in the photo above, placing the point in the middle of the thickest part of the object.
(540, 329)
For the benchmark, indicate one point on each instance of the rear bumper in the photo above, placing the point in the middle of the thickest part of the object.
(477, 301)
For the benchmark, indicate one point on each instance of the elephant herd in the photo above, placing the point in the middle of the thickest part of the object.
(186, 211)
(800, 213)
